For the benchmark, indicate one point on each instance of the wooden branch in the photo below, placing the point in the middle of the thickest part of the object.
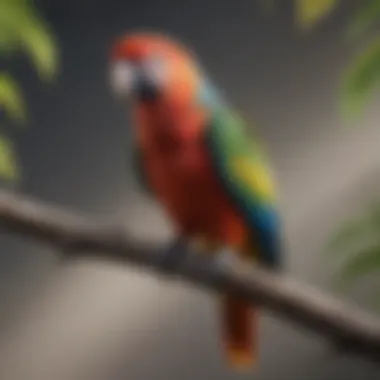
(348, 328)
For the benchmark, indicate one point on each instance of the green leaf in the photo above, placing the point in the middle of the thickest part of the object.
(22, 28)
(11, 100)
(10, 13)
(361, 79)
(9, 168)
(364, 263)
(39, 42)
(353, 232)
(356, 232)
(365, 19)
(309, 12)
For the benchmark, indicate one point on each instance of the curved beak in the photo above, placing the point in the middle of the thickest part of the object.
(146, 89)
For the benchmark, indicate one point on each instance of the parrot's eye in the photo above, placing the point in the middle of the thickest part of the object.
(154, 68)
(122, 78)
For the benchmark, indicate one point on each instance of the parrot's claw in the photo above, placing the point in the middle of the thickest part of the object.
(173, 257)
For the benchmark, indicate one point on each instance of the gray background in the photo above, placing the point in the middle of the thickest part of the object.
(91, 320)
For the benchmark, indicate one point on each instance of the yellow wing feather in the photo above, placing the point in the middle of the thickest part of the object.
(255, 176)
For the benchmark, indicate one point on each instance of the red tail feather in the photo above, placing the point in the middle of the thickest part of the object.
(240, 333)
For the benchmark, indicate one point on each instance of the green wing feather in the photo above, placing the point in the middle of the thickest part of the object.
(241, 165)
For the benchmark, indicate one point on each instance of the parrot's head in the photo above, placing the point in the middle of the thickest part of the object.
(150, 68)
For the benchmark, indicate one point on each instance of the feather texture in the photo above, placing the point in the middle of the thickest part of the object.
(244, 174)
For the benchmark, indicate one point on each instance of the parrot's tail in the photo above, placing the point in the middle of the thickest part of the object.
(240, 332)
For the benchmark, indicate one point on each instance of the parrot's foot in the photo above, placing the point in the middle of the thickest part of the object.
(173, 257)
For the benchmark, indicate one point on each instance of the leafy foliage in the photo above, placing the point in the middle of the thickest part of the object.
(22, 29)
(358, 242)
(361, 79)
(366, 18)
(310, 12)
(9, 168)
(11, 98)
(362, 264)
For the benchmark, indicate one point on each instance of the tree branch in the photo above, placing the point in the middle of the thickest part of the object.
(347, 327)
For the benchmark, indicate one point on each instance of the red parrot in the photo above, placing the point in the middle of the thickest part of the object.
(196, 158)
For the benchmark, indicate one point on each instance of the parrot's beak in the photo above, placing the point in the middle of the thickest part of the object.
(145, 88)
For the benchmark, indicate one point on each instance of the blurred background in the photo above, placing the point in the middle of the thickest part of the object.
(93, 320)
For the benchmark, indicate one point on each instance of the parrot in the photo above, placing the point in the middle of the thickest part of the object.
(195, 156)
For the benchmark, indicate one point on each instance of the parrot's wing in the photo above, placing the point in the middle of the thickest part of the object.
(240, 164)
(138, 171)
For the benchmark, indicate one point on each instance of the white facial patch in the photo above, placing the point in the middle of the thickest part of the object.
(122, 78)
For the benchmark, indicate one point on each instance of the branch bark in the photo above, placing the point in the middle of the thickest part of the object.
(349, 328)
